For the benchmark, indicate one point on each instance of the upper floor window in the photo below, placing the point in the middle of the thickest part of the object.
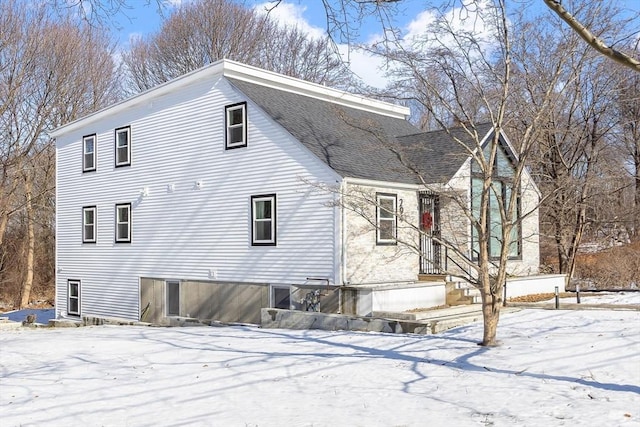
(123, 146)
(236, 125)
(89, 153)
(387, 222)
(89, 224)
(123, 223)
(263, 219)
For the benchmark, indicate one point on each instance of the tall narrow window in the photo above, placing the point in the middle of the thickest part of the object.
(123, 223)
(73, 297)
(173, 297)
(236, 125)
(387, 224)
(89, 224)
(499, 195)
(263, 218)
(123, 146)
(89, 153)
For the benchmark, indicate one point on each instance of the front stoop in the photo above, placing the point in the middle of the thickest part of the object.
(459, 295)
(422, 277)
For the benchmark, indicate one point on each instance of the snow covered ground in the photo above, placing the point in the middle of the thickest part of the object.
(554, 368)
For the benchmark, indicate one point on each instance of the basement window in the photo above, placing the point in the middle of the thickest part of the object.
(173, 297)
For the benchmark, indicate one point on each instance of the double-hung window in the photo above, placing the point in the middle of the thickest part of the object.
(123, 146)
(73, 297)
(236, 125)
(89, 215)
(123, 223)
(89, 153)
(386, 219)
(263, 220)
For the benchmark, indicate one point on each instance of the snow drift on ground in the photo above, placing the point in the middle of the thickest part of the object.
(554, 368)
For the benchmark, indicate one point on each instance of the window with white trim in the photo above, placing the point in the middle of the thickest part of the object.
(236, 125)
(73, 297)
(263, 220)
(387, 222)
(173, 297)
(89, 153)
(123, 223)
(89, 215)
(123, 146)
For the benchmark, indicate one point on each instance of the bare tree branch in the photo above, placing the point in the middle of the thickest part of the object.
(593, 41)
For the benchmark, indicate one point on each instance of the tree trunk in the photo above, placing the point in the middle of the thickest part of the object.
(28, 280)
(490, 318)
(491, 304)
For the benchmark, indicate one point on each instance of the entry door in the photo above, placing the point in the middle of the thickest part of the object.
(431, 261)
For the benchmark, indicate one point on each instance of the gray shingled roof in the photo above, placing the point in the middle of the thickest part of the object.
(437, 155)
(356, 143)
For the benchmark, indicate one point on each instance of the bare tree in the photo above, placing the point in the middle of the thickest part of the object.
(463, 77)
(628, 102)
(196, 34)
(52, 70)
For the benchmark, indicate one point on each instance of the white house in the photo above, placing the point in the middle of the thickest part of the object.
(232, 189)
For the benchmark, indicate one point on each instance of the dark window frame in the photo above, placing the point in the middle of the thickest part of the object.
(77, 297)
(228, 145)
(273, 200)
(117, 131)
(118, 239)
(94, 224)
(94, 156)
(383, 241)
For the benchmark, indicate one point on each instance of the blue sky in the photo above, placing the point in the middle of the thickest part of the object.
(143, 17)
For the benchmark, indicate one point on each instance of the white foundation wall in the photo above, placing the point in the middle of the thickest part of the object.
(367, 262)
(536, 284)
(399, 299)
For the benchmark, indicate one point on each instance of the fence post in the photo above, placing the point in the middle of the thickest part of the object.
(504, 294)
(557, 298)
(578, 293)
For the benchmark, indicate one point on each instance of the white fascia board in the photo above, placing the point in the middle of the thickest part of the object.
(274, 80)
(141, 98)
(247, 73)
(383, 184)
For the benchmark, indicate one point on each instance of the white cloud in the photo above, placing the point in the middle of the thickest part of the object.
(473, 18)
(368, 67)
(291, 15)
(363, 64)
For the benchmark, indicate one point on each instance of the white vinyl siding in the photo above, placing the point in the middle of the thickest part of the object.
(123, 146)
(183, 231)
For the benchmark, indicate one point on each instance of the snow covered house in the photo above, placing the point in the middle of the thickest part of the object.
(232, 189)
